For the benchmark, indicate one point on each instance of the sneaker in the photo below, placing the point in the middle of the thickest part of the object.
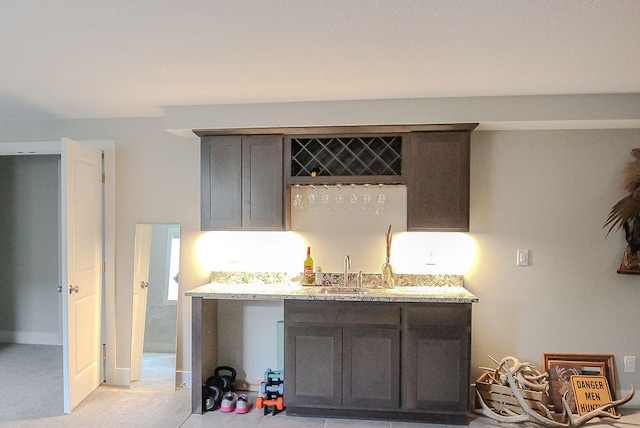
(243, 404)
(229, 402)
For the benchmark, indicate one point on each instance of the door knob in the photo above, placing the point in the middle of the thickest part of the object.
(73, 289)
(144, 284)
(60, 288)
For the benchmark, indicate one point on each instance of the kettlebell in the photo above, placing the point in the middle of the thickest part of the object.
(212, 393)
(227, 382)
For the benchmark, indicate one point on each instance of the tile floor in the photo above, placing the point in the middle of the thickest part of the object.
(256, 419)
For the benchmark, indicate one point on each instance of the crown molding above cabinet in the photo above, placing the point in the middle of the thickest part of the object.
(323, 130)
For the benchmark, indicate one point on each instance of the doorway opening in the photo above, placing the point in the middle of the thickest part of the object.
(30, 320)
(32, 287)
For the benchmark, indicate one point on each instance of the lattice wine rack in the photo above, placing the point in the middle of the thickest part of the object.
(346, 156)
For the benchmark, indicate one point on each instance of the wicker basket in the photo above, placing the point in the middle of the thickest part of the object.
(500, 397)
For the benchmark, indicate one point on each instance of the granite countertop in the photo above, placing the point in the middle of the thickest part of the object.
(293, 291)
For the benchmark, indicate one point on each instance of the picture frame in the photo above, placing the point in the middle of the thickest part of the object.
(560, 368)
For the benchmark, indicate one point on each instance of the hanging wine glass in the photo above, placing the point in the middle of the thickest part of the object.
(380, 201)
(297, 200)
(311, 199)
(325, 199)
(338, 199)
(366, 199)
(353, 198)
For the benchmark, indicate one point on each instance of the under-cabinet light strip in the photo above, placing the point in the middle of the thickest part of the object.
(347, 186)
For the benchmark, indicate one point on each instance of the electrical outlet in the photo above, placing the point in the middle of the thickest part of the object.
(629, 364)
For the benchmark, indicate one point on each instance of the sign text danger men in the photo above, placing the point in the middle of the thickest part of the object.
(590, 392)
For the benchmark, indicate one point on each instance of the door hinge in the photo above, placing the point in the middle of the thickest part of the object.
(103, 177)
(104, 362)
(104, 267)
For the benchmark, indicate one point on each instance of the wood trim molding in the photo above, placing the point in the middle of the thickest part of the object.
(320, 130)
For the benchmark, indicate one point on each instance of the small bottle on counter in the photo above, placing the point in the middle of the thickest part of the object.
(319, 278)
(308, 276)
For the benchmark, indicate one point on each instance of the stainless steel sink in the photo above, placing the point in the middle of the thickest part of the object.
(344, 290)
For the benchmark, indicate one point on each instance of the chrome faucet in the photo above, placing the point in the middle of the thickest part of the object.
(347, 266)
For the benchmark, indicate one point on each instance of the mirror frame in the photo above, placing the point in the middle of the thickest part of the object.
(148, 249)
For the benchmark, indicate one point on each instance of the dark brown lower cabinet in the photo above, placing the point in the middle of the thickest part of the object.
(435, 370)
(370, 370)
(314, 369)
(436, 350)
(341, 355)
(378, 360)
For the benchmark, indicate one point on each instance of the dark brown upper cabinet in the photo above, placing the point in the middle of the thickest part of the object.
(242, 183)
(245, 175)
(438, 183)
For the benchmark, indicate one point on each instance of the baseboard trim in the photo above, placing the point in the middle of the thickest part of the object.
(122, 377)
(183, 379)
(252, 385)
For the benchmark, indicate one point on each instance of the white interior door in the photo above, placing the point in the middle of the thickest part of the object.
(81, 252)
(142, 253)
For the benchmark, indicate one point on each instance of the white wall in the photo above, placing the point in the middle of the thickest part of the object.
(549, 191)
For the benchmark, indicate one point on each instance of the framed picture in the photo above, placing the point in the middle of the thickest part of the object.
(560, 368)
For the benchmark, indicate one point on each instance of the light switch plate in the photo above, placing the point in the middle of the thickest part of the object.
(522, 257)
(629, 364)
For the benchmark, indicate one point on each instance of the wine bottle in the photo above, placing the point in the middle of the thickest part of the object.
(309, 278)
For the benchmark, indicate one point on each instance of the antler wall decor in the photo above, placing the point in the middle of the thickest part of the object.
(509, 369)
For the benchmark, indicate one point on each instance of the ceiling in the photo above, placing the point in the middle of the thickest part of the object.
(64, 59)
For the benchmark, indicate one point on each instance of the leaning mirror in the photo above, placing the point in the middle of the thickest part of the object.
(155, 303)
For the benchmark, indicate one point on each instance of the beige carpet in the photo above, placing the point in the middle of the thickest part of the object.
(31, 395)
(118, 407)
(30, 381)
(158, 372)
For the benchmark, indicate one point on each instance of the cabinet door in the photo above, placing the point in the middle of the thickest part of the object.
(313, 366)
(221, 183)
(438, 186)
(371, 373)
(262, 183)
(435, 365)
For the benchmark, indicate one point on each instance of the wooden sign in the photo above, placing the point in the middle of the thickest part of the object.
(590, 392)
